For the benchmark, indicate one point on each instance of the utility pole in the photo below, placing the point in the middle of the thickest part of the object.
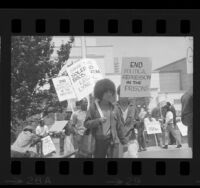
(83, 47)
(84, 55)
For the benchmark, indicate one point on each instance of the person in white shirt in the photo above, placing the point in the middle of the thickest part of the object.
(170, 128)
(41, 131)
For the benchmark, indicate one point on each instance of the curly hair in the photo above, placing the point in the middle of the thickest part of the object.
(103, 86)
(118, 90)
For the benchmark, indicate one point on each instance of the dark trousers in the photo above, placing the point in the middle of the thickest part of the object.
(141, 138)
(62, 143)
(77, 140)
(104, 148)
(190, 143)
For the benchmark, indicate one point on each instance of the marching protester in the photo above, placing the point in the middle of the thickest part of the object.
(60, 116)
(77, 122)
(41, 131)
(151, 117)
(170, 127)
(172, 108)
(140, 115)
(126, 110)
(104, 122)
(187, 113)
(22, 147)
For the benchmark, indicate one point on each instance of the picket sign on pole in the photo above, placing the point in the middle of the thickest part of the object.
(63, 88)
(156, 140)
(99, 109)
(70, 103)
(136, 77)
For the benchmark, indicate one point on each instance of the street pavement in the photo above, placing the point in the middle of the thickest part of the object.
(152, 152)
(171, 152)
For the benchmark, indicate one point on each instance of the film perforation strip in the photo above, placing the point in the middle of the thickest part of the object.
(185, 26)
(137, 26)
(40, 26)
(161, 26)
(89, 27)
(64, 26)
(64, 167)
(40, 167)
(160, 168)
(112, 168)
(88, 167)
(137, 168)
(184, 168)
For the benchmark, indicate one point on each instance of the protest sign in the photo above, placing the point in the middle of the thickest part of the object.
(58, 126)
(152, 127)
(183, 129)
(47, 145)
(63, 71)
(136, 77)
(94, 69)
(81, 79)
(63, 88)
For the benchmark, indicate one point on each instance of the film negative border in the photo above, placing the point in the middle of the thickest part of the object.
(96, 23)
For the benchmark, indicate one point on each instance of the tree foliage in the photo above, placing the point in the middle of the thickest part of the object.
(32, 66)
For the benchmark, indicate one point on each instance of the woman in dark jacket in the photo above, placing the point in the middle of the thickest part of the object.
(104, 122)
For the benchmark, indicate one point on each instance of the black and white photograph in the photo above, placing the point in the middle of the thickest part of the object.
(101, 97)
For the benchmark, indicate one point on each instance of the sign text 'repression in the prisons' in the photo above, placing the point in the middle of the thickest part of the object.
(136, 77)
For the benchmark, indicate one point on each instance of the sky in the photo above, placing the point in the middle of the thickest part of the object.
(162, 50)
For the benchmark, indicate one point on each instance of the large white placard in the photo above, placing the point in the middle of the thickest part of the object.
(63, 88)
(94, 69)
(58, 126)
(136, 77)
(81, 78)
(47, 145)
(152, 127)
(183, 129)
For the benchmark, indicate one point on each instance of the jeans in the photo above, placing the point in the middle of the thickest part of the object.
(104, 148)
(159, 139)
(77, 140)
(62, 143)
(190, 133)
(170, 129)
(141, 139)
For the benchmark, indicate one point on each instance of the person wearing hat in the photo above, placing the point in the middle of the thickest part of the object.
(25, 140)
(41, 130)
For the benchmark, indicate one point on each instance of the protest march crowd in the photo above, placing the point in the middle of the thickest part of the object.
(108, 126)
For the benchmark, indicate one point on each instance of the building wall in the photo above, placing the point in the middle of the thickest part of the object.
(169, 81)
(186, 80)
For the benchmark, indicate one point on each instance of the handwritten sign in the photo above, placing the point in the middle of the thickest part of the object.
(136, 77)
(81, 79)
(58, 126)
(63, 88)
(152, 127)
(183, 129)
(94, 69)
(47, 145)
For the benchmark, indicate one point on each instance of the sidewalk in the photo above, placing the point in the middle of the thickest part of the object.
(171, 152)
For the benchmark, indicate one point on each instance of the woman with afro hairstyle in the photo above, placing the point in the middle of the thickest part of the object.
(104, 122)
